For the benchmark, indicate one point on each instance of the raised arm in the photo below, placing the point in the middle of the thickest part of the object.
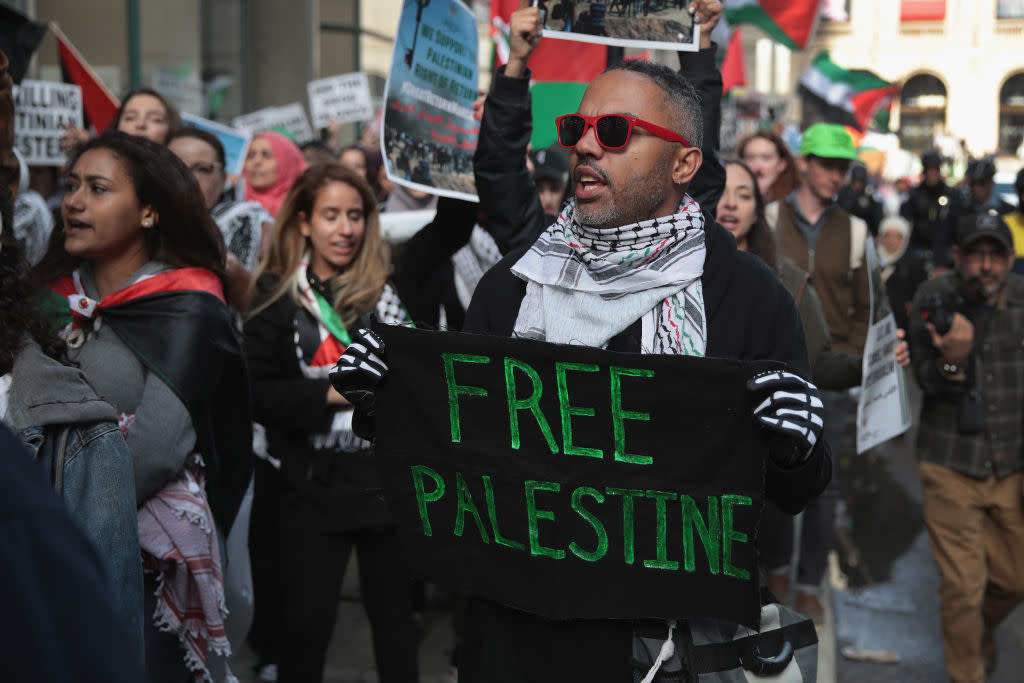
(506, 189)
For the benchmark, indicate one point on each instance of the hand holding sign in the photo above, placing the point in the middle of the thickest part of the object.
(793, 409)
(523, 39)
(356, 376)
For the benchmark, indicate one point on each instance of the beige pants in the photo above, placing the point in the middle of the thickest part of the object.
(977, 538)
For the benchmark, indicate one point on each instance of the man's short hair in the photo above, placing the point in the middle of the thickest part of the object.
(686, 101)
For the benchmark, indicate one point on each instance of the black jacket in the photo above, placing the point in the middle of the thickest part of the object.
(333, 485)
(750, 316)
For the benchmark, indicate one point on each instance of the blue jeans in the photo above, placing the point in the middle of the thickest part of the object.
(91, 468)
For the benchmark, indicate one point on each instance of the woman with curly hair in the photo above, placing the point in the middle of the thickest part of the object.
(135, 280)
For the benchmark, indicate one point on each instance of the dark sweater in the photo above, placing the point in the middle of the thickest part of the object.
(750, 317)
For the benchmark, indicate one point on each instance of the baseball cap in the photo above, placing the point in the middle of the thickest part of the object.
(829, 141)
(988, 225)
(551, 163)
(859, 172)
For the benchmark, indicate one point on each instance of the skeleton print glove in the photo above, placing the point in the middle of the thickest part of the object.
(791, 408)
(359, 370)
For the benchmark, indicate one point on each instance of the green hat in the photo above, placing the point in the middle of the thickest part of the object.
(829, 141)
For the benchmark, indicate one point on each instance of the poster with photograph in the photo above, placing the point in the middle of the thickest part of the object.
(42, 110)
(290, 117)
(883, 408)
(236, 143)
(340, 98)
(429, 134)
(652, 24)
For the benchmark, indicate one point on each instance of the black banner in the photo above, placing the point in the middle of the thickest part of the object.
(570, 482)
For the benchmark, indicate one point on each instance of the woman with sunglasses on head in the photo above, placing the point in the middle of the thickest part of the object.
(136, 280)
(327, 271)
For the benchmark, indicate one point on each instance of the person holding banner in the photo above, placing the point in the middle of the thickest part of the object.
(577, 284)
(966, 332)
(327, 271)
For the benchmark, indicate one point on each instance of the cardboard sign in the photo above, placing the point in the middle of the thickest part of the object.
(570, 482)
(341, 98)
(291, 117)
(429, 134)
(236, 143)
(883, 406)
(184, 90)
(42, 111)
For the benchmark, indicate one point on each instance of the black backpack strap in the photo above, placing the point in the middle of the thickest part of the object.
(764, 654)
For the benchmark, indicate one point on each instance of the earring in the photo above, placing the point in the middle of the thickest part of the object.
(147, 224)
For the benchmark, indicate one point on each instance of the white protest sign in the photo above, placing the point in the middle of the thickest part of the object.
(186, 92)
(291, 117)
(42, 110)
(341, 98)
(883, 409)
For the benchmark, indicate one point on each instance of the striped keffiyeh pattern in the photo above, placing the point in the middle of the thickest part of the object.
(586, 285)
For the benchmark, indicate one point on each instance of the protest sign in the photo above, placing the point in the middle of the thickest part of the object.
(571, 482)
(341, 98)
(182, 88)
(235, 143)
(883, 408)
(42, 111)
(627, 23)
(429, 134)
(291, 117)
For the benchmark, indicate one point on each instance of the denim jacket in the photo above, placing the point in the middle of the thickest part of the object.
(90, 467)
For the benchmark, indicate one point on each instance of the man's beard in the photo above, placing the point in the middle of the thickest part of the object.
(638, 201)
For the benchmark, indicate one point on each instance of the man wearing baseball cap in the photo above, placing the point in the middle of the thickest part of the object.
(966, 332)
(819, 236)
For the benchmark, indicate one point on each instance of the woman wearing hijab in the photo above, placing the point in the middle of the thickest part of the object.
(273, 163)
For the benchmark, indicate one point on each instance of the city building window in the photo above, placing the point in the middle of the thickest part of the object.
(1010, 9)
(922, 10)
(1011, 114)
(922, 111)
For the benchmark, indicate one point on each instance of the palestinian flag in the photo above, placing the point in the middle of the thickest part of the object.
(99, 103)
(853, 95)
(561, 70)
(733, 66)
(790, 22)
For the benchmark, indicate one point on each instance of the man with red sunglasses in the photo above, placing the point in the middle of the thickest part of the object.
(641, 182)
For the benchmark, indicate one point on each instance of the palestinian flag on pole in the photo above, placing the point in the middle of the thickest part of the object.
(99, 103)
(790, 22)
(560, 69)
(854, 95)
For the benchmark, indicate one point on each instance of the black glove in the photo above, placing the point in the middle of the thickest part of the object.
(792, 409)
(356, 376)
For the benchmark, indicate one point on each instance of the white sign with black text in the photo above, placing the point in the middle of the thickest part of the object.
(340, 98)
(291, 117)
(42, 111)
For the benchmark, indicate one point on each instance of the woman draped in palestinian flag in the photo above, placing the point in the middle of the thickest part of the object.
(327, 272)
(134, 280)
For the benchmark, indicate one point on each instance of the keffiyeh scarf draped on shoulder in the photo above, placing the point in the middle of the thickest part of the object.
(586, 285)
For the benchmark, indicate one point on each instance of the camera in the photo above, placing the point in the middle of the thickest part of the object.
(938, 308)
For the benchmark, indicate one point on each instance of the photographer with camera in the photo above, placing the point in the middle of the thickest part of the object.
(967, 345)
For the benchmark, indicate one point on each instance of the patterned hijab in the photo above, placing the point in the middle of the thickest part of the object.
(290, 165)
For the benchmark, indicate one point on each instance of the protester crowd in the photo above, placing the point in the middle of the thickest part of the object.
(173, 336)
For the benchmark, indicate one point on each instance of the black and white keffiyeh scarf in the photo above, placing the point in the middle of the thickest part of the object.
(586, 285)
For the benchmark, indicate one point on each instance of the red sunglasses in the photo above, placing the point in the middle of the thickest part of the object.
(613, 130)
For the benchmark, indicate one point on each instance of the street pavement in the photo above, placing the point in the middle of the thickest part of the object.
(884, 594)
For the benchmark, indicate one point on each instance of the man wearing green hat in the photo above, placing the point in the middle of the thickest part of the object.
(826, 241)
